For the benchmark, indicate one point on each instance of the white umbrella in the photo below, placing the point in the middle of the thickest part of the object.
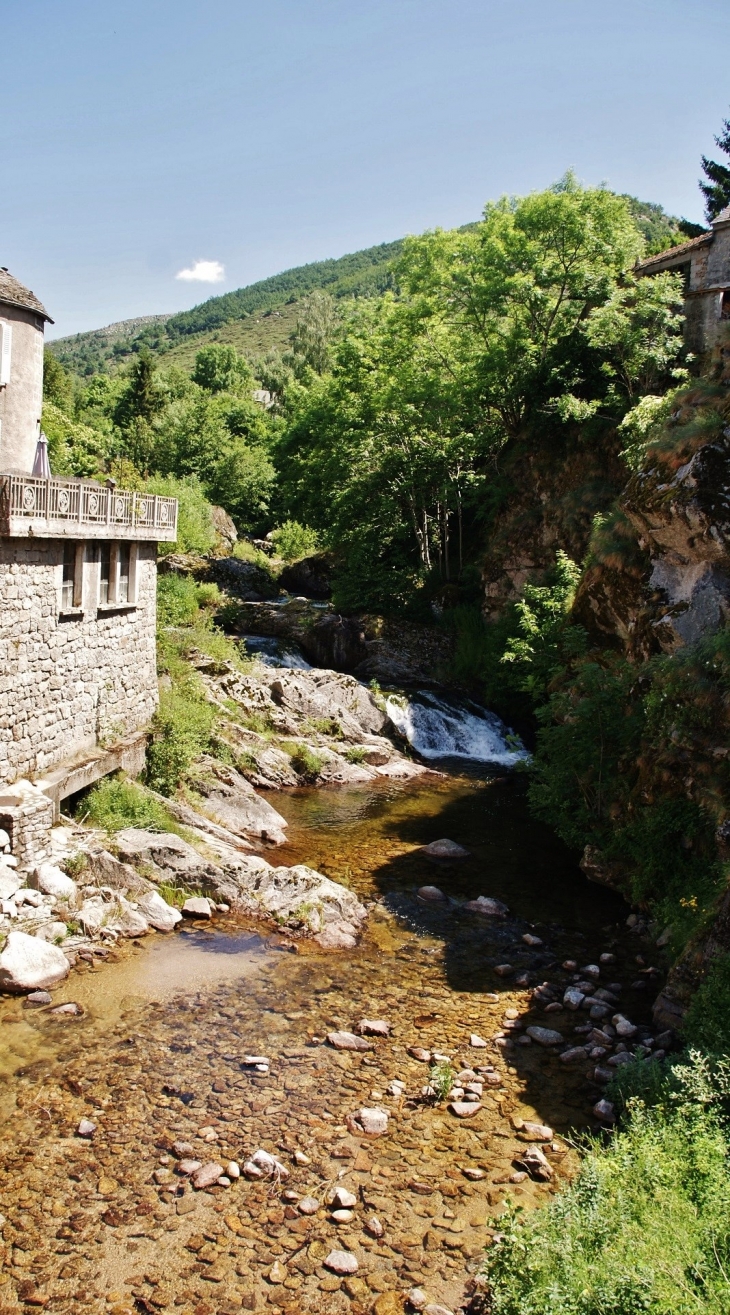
(41, 465)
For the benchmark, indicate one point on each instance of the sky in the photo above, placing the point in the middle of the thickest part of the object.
(158, 152)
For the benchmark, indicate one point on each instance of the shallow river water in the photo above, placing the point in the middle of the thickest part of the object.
(107, 1225)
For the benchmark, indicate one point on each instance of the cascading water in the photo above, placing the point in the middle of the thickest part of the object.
(439, 727)
(274, 653)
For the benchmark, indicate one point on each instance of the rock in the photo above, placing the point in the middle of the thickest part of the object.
(348, 1041)
(224, 527)
(573, 1054)
(37, 999)
(187, 1166)
(373, 1027)
(86, 1129)
(527, 1131)
(477, 1042)
(310, 577)
(591, 970)
(465, 1109)
(197, 907)
(605, 1111)
(159, 914)
(52, 931)
(206, 1175)
(4, 839)
(434, 1308)
(343, 1216)
(185, 1205)
(503, 969)
(10, 882)
(181, 1149)
(308, 1205)
(374, 1227)
(418, 1052)
(417, 1299)
(231, 801)
(607, 958)
(487, 906)
(268, 1165)
(532, 941)
(342, 1199)
(624, 1028)
(545, 1036)
(52, 881)
(536, 1165)
(573, 998)
(71, 1008)
(126, 919)
(372, 1122)
(304, 900)
(278, 1272)
(432, 895)
(103, 869)
(444, 850)
(169, 857)
(30, 964)
(342, 1262)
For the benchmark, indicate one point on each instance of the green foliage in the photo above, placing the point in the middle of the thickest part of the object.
(645, 1226)
(182, 729)
(314, 332)
(292, 541)
(545, 642)
(220, 369)
(638, 329)
(306, 762)
(356, 754)
(716, 190)
(195, 532)
(74, 448)
(57, 382)
(707, 1021)
(441, 1078)
(115, 803)
(143, 397)
(177, 600)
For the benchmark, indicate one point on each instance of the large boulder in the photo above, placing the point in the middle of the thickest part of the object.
(231, 801)
(310, 577)
(103, 869)
(306, 901)
(30, 964)
(52, 881)
(167, 857)
(159, 914)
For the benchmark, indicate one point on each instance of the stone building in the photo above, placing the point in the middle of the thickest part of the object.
(705, 263)
(78, 566)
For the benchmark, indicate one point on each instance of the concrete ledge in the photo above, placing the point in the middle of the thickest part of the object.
(84, 769)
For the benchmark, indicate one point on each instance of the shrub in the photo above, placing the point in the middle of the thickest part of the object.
(707, 1022)
(182, 730)
(306, 762)
(177, 600)
(357, 754)
(115, 803)
(645, 1227)
(293, 541)
(195, 532)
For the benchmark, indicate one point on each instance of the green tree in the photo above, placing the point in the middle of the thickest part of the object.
(57, 383)
(310, 342)
(716, 190)
(220, 369)
(143, 398)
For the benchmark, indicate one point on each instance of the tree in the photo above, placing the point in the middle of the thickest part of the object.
(57, 385)
(313, 334)
(716, 190)
(143, 398)
(219, 368)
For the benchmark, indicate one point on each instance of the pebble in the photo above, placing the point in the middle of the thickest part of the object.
(38, 998)
(86, 1129)
(373, 1027)
(198, 907)
(373, 1122)
(301, 1158)
(266, 1164)
(488, 907)
(545, 1036)
(444, 849)
(573, 1054)
(465, 1109)
(474, 1175)
(233, 1169)
(278, 1273)
(569, 965)
(433, 1308)
(342, 1199)
(623, 1027)
(417, 1052)
(527, 1131)
(71, 1008)
(309, 1205)
(374, 1227)
(342, 1262)
(477, 1042)
(591, 970)
(607, 958)
(573, 998)
(529, 939)
(417, 1298)
(537, 1165)
(348, 1041)
(206, 1175)
(343, 1216)
(187, 1166)
(432, 895)
(503, 969)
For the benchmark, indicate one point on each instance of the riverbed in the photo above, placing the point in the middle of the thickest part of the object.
(157, 1056)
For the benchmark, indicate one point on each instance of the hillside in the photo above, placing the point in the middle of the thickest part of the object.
(259, 318)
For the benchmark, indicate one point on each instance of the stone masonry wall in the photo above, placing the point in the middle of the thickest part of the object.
(69, 682)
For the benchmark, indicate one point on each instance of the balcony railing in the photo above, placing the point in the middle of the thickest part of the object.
(72, 508)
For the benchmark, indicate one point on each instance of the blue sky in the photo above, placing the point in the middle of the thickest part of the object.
(145, 136)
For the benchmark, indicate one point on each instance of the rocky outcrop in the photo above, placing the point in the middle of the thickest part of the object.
(230, 800)
(28, 963)
(310, 577)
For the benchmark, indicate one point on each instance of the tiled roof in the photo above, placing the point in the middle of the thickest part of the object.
(673, 252)
(723, 217)
(14, 294)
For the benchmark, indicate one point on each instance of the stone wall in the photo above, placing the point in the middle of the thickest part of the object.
(69, 681)
(21, 399)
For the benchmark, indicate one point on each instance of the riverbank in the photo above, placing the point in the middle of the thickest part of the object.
(157, 1058)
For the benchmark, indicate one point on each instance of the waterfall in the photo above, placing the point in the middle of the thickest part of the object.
(440, 727)
(274, 653)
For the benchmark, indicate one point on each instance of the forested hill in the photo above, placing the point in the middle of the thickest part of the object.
(260, 317)
(361, 273)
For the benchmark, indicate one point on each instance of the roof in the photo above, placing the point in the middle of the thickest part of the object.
(723, 217)
(14, 294)
(673, 253)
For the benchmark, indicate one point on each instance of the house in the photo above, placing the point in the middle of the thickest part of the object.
(705, 263)
(78, 568)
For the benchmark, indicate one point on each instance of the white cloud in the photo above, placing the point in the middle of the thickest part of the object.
(203, 271)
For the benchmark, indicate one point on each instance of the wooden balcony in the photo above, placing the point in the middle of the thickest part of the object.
(76, 509)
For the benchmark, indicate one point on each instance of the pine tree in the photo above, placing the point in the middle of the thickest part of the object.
(717, 190)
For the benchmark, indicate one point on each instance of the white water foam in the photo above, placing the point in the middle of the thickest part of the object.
(442, 728)
(273, 653)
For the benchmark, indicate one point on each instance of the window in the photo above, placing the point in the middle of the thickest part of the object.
(105, 560)
(123, 591)
(6, 338)
(725, 305)
(72, 576)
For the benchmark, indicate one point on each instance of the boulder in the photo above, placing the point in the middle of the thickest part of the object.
(168, 856)
(444, 851)
(310, 577)
(52, 881)
(304, 900)
(159, 914)
(103, 869)
(545, 1036)
(30, 964)
(9, 882)
(487, 906)
(231, 801)
(197, 907)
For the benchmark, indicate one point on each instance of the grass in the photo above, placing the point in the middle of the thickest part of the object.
(115, 803)
(356, 754)
(441, 1079)
(306, 762)
(177, 895)
(645, 1226)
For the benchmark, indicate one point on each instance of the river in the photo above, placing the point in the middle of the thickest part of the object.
(100, 1224)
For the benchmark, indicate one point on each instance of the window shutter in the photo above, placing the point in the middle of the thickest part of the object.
(6, 337)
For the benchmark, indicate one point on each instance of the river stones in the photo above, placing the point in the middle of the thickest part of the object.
(372, 1122)
(206, 1175)
(52, 881)
(528, 1131)
(197, 907)
(487, 906)
(444, 851)
(465, 1109)
(432, 895)
(159, 914)
(86, 1129)
(30, 964)
(545, 1036)
(342, 1262)
(536, 1164)
(342, 1199)
(348, 1041)
(373, 1027)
